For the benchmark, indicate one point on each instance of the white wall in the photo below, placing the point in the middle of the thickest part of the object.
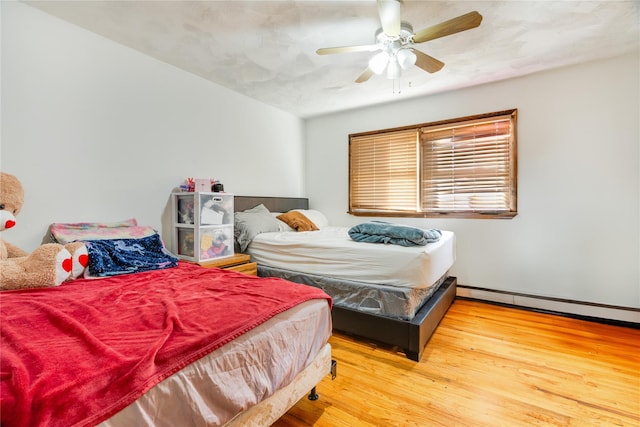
(98, 132)
(577, 234)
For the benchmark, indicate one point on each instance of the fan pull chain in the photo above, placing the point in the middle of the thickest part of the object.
(396, 90)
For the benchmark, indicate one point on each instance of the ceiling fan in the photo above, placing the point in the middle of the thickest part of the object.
(395, 40)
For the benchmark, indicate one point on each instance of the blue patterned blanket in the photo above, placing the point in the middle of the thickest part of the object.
(396, 234)
(121, 256)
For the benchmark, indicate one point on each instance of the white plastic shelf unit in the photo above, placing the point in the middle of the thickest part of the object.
(202, 225)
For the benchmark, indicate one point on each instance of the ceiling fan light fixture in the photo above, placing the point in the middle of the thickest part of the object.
(378, 63)
(406, 58)
(393, 70)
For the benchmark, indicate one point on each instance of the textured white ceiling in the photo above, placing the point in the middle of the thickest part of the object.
(266, 49)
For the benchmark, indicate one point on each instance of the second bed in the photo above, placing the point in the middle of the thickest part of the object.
(389, 293)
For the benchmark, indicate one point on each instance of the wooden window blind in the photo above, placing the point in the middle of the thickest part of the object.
(461, 167)
(384, 172)
(469, 166)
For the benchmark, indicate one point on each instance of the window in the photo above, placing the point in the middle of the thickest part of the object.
(463, 168)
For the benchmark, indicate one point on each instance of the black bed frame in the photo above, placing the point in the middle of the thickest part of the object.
(409, 335)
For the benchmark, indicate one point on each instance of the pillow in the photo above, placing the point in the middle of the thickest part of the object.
(251, 222)
(256, 209)
(112, 257)
(297, 221)
(284, 227)
(69, 232)
(315, 216)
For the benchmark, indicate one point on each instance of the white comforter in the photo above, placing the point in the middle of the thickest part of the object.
(331, 252)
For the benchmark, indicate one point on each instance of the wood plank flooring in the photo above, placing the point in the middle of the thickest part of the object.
(486, 365)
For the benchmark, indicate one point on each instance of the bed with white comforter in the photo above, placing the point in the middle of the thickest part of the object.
(387, 292)
(389, 280)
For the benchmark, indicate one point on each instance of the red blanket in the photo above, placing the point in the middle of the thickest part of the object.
(77, 354)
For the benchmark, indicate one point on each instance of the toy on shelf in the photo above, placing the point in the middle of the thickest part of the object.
(202, 185)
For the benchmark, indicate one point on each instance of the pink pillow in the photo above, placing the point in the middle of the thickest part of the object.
(70, 232)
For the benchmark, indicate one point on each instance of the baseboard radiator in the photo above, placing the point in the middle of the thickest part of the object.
(625, 316)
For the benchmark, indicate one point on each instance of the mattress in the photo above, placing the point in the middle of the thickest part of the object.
(387, 280)
(237, 376)
(330, 252)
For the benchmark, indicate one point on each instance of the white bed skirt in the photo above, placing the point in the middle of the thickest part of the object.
(269, 410)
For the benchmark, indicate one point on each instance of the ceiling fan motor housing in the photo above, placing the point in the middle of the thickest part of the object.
(394, 56)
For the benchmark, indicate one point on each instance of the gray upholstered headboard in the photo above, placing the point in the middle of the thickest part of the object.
(274, 204)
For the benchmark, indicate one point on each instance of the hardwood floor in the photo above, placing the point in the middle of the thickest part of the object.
(485, 365)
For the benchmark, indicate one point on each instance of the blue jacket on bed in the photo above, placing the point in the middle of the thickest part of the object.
(396, 234)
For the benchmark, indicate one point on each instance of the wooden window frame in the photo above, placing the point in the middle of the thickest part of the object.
(365, 187)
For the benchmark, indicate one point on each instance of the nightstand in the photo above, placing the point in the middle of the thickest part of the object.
(237, 262)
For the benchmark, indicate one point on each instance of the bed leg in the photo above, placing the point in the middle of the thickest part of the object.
(413, 355)
(313, 395)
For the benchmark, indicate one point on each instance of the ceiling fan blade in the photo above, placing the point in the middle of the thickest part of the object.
(452, 26)
(426, 62)
(347, 49)
(389, 11)
(365, 76)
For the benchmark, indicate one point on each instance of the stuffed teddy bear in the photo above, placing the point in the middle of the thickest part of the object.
(48, 265)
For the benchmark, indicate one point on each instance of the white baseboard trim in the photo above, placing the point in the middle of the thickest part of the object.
(557, 305)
